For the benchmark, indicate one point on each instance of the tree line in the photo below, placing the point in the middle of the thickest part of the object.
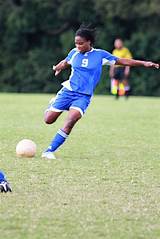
(35, 34)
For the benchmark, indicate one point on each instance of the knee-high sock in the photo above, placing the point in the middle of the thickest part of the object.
(57, 141)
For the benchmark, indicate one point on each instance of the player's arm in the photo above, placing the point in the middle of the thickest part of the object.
(111, 71)
(128, 55)
(60, 66)
(132, 62)
(127, 71)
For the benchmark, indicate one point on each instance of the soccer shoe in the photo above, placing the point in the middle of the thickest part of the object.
(48, 155)
(5, 187)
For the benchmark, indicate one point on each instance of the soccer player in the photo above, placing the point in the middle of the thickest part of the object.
(4, 185)
(76, 93)
(119, 73)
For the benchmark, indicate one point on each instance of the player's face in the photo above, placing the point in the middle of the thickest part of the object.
(82, 44)
(118, 43)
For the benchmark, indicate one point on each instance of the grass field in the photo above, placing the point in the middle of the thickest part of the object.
(107, 183)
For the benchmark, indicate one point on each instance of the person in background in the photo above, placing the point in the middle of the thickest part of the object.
(120, 74)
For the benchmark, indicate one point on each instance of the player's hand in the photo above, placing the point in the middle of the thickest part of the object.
(57, 71)
(151, 64)
(5, 187)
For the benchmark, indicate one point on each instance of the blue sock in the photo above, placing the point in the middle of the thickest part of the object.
(57, 141)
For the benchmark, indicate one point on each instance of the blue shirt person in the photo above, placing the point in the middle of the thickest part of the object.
(86, 69)
(86, 66)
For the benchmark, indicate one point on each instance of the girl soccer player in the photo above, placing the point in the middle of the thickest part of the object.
(75, 96)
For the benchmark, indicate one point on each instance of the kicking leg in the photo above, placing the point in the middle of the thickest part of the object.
(62, 134)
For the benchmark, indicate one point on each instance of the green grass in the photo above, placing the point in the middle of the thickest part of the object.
(107, 183)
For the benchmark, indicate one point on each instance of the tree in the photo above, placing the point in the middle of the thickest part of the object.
(35, 34)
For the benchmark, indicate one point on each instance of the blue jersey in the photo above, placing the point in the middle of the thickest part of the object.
(86, 69)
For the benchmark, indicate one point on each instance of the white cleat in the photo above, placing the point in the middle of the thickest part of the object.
(48, 155)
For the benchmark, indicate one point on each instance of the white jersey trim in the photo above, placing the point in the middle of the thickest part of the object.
(67, 85)
(107, 62)
(72, 58)
(51, 108)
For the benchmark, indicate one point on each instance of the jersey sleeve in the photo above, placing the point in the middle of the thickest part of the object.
(108, 58)
(70, 56)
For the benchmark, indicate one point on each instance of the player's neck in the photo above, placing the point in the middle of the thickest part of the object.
(87, 50)
(120, 48)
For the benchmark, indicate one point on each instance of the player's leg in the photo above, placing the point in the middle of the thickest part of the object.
(114, 86)
(62, 134)
(77, 108)
(117, 78)
(51, 116)
(126, 87)
(72, 118)
(118, 83)
(60, 103)
(121, 77)
(56, 106)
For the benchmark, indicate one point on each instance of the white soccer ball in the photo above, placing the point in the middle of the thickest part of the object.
(26, 148)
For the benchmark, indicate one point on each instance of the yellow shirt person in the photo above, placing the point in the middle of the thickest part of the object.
(119, 74)
(122, 53)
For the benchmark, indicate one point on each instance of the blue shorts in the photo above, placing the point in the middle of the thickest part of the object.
(66, 99)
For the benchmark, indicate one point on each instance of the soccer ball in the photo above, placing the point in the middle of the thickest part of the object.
(26, 148)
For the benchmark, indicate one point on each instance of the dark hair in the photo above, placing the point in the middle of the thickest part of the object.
(86, 32)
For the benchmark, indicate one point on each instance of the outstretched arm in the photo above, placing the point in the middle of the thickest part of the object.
(132, 62)
(60, 66)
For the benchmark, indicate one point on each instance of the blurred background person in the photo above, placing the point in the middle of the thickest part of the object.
(120, 74)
